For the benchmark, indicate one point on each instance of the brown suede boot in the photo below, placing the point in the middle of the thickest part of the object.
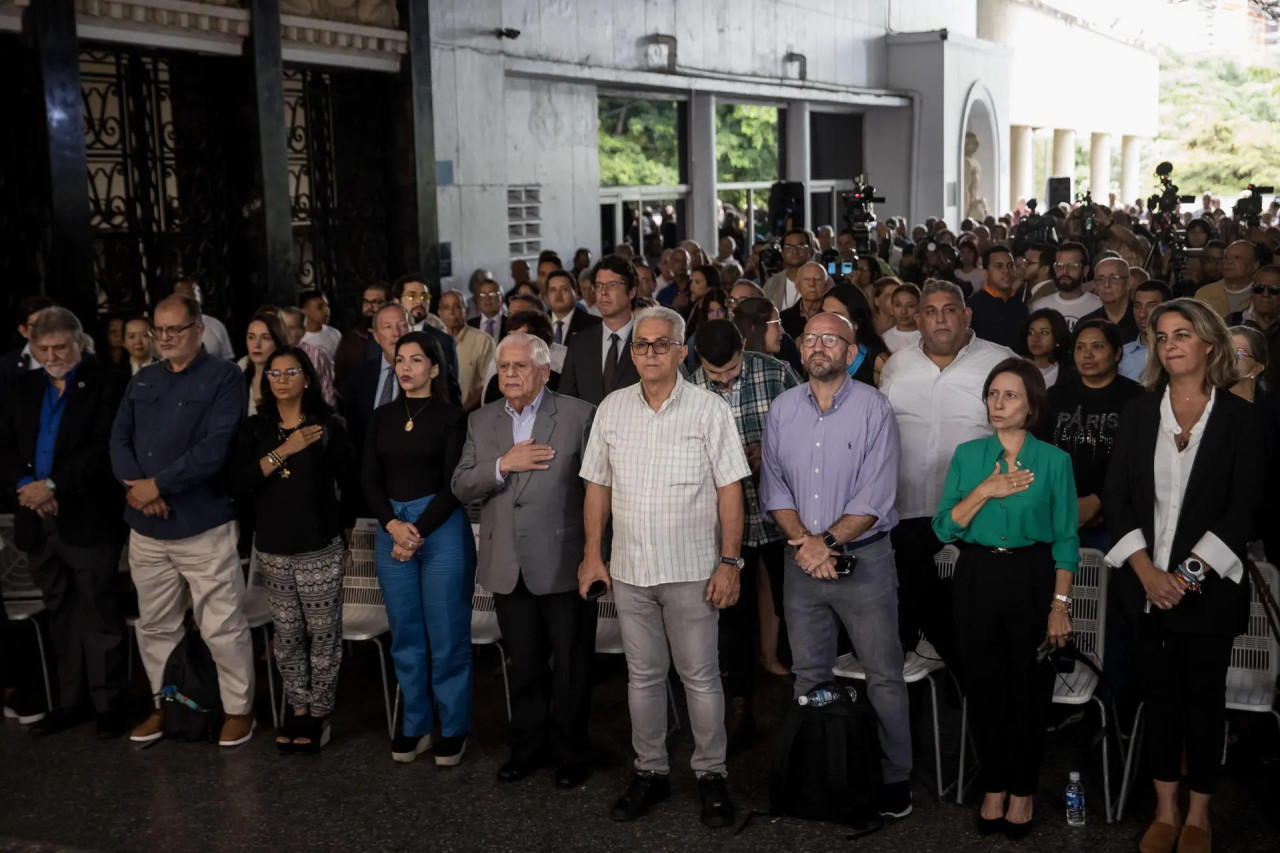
(1159, 838)
(236, 729)
(1194, 839)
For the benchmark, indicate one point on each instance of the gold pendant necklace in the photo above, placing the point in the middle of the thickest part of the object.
(408, 425)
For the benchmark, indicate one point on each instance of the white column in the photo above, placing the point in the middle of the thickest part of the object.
(1022, 160)
(1128, 169)
(1100, 166)
(798, 160)
(702, 172)
(1064, 153)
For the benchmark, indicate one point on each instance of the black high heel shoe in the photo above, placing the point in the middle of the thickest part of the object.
(990, 825)
(1018, 831)
(292, 728)
(317, 731)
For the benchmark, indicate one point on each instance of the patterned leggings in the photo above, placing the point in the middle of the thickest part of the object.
(305, 594)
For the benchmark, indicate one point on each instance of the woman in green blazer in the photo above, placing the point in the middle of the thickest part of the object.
(1010, 503)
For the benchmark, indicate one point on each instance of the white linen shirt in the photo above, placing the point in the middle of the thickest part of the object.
(937, 411)
(1172, 471)
(664, 468)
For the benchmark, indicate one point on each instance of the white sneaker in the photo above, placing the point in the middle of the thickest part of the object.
(405, 749)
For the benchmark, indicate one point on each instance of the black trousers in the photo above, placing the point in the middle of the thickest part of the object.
(1184, 685)
(79, 586)
(1002, 616)
(924, 599)
(740, 624)
(549, 703)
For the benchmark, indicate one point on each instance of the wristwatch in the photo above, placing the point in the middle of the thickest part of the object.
(48, 484)
(829, 539)
(735, 562)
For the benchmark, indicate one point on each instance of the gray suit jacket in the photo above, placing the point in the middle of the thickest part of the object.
(530, 523)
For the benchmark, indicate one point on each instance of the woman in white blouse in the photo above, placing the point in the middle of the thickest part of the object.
(1181, 491)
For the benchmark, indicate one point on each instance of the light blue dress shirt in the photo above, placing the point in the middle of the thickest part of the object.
(1133, 360)
(521, 427)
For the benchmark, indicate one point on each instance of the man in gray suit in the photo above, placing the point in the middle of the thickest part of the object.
(521, 461)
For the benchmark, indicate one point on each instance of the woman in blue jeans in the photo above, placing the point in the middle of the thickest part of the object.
(425, 550)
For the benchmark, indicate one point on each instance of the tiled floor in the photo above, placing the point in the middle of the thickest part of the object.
(73, 792)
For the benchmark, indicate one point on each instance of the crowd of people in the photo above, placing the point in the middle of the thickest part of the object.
(726, 447)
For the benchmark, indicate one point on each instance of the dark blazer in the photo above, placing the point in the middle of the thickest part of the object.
(12, 365)
(90, 501)
(1223, 491)
(582, 320)
(474, 323)
(582, 376)
(530, 523)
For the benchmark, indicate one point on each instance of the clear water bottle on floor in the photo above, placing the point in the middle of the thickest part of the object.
(1075, 800)
(817, 698)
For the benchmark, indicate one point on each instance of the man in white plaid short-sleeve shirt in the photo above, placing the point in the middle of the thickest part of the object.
(665, 460)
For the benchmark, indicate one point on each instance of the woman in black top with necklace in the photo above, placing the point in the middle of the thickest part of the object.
(295, 465)
(425, 550)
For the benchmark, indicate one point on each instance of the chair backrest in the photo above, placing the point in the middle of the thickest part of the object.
(945, 560)
(608, 629)
(1256, 650)
(1089, 604)
(15, 578)
(484, 618)
(360, 582)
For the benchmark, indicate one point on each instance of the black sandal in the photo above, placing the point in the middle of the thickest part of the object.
(293, 728)
(317, 732)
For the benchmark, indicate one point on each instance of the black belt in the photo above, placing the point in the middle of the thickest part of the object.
(995, 549)
(859, 544)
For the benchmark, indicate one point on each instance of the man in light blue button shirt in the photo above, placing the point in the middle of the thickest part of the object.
(521, 462)
(1146, 297)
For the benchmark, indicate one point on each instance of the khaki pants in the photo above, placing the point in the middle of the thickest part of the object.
(210, 566)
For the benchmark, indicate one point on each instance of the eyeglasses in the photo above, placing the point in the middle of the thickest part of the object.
(796, 247)
(661, 346)
(416, 297)
(1271, 289)
(772, 322)
(1113, 279)
(488, 294)
(171, 331)
(598, 286)
(829, 341)
(1242, 353)
(290, 372)
(1067, 265)
(373, 303)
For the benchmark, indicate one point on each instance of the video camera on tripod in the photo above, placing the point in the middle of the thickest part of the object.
(1248, 210)
(1033, 228)
(1166, 225)
(859, 215)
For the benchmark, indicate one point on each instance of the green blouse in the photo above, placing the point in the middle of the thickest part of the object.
(1046, 512)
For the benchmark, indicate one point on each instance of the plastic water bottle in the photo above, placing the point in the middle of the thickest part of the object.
(1075, 800)
(818, 698)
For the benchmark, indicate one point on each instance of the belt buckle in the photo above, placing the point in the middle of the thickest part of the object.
(1003, 550)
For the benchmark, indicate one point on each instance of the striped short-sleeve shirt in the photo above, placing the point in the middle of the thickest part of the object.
(664, 468)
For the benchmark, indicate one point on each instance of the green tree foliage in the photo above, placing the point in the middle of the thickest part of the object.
(639, 142)
(1219, 123)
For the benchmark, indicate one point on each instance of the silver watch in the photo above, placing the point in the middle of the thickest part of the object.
(49, 484)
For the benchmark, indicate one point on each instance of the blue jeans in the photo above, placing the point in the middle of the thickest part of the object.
(867, 604)
(429, 609)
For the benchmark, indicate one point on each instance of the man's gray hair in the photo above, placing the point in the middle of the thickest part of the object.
(938, 285)
(537, 347)
(51, 321)
(391, 305)
(292, 311)
(666, 315)
(458, 293)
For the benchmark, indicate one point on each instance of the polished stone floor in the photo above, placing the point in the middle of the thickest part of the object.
(72, 792)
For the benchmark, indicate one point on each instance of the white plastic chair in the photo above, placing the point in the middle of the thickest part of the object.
(1088, 629)
(23, 602)
(485, 632)
(1251, 677)
(364, 612)
(257, 612)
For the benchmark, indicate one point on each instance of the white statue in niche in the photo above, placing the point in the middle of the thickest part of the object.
(370, 13)
(975, 207)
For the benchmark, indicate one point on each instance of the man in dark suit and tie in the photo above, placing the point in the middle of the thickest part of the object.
(54, 450)
(374, 383)
(567, 317)
(598, 362)
(521, 461)
(13, 364)
(490, 320)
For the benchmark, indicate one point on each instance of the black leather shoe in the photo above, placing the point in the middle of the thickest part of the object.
(717, 808)
(645, 792)
(991, 825)
(518, 768)
(112, 725)
(59, 721)
(1018, 831)
(571, 775)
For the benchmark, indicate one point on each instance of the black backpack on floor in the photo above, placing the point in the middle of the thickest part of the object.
(826, 762)
(190, 699)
